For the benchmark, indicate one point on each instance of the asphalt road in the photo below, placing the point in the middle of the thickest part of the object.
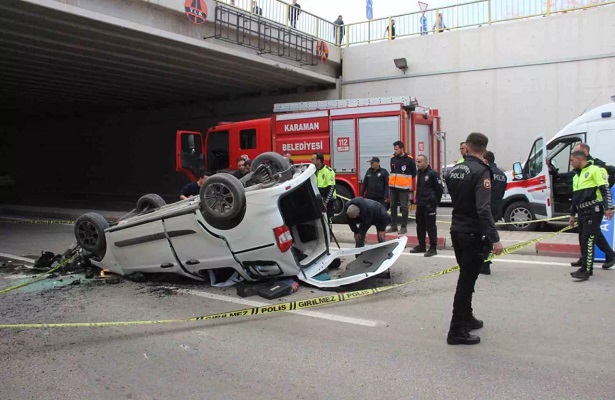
(545, 337)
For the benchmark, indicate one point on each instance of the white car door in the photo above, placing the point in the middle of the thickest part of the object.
(372, 260)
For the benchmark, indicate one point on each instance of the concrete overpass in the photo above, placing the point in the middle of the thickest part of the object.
(73, 54)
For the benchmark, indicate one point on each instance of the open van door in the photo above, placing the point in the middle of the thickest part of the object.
(189, 154)
(534, 185)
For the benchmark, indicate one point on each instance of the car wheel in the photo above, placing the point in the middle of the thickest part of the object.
(149, 202)
(339, 208)
(223, 201)
(277, 168)
(520, 213)
(90, 233)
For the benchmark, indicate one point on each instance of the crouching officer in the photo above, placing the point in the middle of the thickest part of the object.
(362, 214)
(325, 181)
(590, 198)
(469, 184)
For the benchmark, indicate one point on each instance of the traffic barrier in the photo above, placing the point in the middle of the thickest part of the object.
(281, 307)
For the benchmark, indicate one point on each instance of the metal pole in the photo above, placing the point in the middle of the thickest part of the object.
(489, 10)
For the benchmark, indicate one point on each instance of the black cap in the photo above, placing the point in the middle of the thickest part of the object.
(374, 159)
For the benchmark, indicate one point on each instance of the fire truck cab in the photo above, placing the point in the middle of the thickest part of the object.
(348, 132)
(542, 186)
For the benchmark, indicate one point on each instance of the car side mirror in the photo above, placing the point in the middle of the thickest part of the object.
(517, 171)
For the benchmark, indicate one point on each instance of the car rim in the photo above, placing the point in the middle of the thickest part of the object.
(88, 235)
(219, 198)
(520, 215)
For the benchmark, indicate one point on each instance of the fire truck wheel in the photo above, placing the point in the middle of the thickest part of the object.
(276, 163)
(149, 202)
(90, 233)
(223, 201)
(519, 212)
(339, 210)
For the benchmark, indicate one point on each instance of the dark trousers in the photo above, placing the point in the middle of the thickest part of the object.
(379, 200)
(399, 196)
(598, 238)
(426, 223)
(469, 252)
(380, 224)
(330, 213)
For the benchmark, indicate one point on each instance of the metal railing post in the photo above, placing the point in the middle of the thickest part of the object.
(489, 10)
(287, 14)
(317, 27)
(347, 35)
(390, 29)
(548, 7)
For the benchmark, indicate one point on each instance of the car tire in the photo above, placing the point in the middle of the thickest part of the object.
(90, 233)
(519, 211)
(223, 201)
(149, 202)
(339, 205)
(277, 165)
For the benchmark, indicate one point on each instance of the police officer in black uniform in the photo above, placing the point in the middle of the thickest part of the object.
(472, 232)
(376, 182)
(362, 214)
(498, 187)
(428, 196)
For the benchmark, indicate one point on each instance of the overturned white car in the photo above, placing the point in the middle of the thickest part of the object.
(268, 224)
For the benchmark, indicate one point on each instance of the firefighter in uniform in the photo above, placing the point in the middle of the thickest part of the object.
(403, 171)
(599, 240)
(472, 232)
(325, 180)
(498, 187)
(591, 198)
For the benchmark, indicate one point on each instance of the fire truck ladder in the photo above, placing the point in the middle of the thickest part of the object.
(406, 101)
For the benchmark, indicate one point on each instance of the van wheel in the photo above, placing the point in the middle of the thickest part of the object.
(271, 168)
(149, 202)
(519, 212)
(223, 201)
(339, 205)
(90, 233)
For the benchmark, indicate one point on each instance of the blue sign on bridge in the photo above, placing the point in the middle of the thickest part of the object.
(369, 9)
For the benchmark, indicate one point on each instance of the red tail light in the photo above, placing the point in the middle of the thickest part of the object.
(283, 237)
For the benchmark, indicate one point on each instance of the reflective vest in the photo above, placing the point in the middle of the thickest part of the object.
(325, 179)
(402, 173)
(586, 187)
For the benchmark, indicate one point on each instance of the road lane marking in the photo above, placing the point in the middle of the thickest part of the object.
(305, 313)
(18, 258)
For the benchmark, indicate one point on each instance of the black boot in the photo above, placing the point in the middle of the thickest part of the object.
(581, 270)
(577, 263)
(485, 269)
(582, 274)
(418, 249)
(609, 264)
(431, 252)
(471, 323)
(462, 336)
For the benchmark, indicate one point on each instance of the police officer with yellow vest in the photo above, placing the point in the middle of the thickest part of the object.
(325, 180)
(403, 171)
(590, 198)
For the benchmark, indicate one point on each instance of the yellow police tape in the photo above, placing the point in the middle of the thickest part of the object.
(40, 277)
(412, 207)
(282, 307)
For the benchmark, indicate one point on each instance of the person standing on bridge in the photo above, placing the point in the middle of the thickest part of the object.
(293, 13)
(600, 240)
(472, 231)
(389, 32)
(403, 171)
(376, 183)
(340, 30)
(591, 198)
(428, 196)
(325, 181)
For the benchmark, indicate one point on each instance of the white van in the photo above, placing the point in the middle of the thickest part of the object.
(542, 186)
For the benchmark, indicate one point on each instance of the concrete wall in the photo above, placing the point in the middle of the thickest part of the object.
(114, 156)
(511, 81)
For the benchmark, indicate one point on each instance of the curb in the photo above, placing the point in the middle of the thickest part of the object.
(558, 249)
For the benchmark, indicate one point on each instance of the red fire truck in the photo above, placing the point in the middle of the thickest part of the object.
(348, 132)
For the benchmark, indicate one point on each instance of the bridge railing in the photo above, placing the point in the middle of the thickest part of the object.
(468, 14)
(283, 13)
